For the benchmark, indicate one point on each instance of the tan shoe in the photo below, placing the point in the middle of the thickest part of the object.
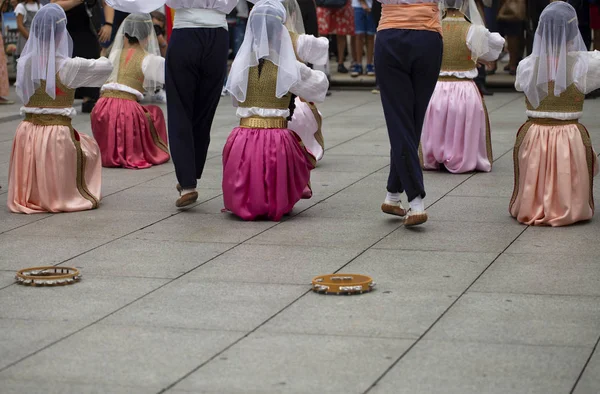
(393, 208)
(179, 188)
(186, 199)
(415, 218)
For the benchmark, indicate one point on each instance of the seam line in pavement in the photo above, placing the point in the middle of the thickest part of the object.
(587, 362)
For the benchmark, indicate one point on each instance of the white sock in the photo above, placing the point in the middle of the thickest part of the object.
(417, 205)
(394, 197)
(186, 191)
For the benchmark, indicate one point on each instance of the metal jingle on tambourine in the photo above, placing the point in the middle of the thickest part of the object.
(342, 284)
(48, 276)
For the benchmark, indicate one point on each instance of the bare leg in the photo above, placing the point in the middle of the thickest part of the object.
(370, 46)
(341, 47)
(359, 48)
(597, 39)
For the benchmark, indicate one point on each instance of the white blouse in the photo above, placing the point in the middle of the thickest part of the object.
(482, 42)
(77, 73)
(153, 68)
(147, 6)
(409, 1)
(585, 81)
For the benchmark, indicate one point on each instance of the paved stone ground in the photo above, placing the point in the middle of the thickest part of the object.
(200, 302)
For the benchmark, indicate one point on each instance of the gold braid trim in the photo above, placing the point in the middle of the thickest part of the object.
(451, 78)
(155, 137)
(58, 120)
(257, 122)
(118, 94)
(318, 133)
(590, 159)
(520, 137)
(488, 132)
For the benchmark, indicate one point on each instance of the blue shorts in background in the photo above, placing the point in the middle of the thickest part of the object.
(364, 22)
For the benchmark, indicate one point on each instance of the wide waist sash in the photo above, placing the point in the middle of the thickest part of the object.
(257, 122)
(553, 122)
(451, 78)
(48, 120)
(425, 16)
(119, 94)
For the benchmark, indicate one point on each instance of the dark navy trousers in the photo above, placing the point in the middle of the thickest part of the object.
(195, 69)
(408, 65)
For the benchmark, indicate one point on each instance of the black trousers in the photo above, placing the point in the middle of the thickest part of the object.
(195, 69)
(309, 16)
(408, 64)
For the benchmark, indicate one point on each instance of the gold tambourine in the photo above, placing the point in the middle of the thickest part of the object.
(48, 276)
(342, 284)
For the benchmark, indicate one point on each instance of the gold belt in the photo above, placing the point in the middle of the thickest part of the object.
(451, 78)
(118, 94)
(256, 122)
(48, 120)
(552, 122)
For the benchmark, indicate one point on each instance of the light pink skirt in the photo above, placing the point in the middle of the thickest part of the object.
(265, 172)
(53, 169)
(130, 135)
(554, 169)
(456, 129)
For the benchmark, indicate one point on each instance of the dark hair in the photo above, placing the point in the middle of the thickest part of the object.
(131, 40)
(159, 16)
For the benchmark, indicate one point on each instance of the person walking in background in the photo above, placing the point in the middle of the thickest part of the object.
(554, 160)
(364, 30)
(25, 12)
(4, 83)
(339, 22)
(512, 23)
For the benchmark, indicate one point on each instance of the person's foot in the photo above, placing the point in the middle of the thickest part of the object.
(328, 93)
(393, 208)
(414, 218)
(88, 106)
(370, 70)
(4, 101)
(342, 69)
(160, 97)
(223, 92)
(375, 91)
(186, 199)
(356, 70)
(484, 90)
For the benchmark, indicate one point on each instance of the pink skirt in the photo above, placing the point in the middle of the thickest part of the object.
(456, 129)
(265, 173)
(53, 169)
(129, 135)
(554, 169)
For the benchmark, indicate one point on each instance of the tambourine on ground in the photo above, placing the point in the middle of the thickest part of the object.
(48, 276)
(342, 284)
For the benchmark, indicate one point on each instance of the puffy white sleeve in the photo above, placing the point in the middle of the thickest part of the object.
(312, 86)
(78, 72)
(586, 71)
(136, 6)
(525, 71)
(153, 68)
(311, 49)
(483, 44)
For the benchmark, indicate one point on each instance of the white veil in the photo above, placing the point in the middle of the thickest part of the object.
(48, 47)
(135, 27)
(266, 38)
(557, 35)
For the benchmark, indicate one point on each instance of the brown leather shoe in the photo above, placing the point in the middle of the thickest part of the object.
(415, 218)
(186, 199)
(393, 208)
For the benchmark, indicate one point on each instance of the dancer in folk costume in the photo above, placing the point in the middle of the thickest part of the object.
(195, 70)
(456, 132)
(53, 168)
(131, 135)
(408, 55)
(306, 121)
(266, 168)
(553, 156)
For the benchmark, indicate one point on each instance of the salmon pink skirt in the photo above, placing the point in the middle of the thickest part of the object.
(53, 169)
(554, 169)
(129, 135)
(456, 131)
(265, 172)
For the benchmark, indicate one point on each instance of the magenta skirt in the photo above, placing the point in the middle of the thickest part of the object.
(129, 135)
(456, 131)
(265, 173)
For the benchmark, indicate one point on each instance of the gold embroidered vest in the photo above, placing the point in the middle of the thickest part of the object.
(457, 55)
(571, 100)
(130, 69)
(64, 96)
